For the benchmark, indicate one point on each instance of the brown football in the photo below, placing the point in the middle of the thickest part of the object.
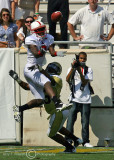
(56, 16)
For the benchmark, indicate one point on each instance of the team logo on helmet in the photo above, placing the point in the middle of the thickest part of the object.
(39, 28)
(54, 68)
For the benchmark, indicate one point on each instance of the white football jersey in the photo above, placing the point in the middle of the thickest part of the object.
(34, 40)
(82, 96)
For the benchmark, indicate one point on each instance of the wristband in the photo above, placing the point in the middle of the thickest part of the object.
(40, 54)
(36, 13)
(55, 54)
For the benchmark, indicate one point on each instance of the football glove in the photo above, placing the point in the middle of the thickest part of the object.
(63, 107)
(60, 53)
(36, 66)
(39, 67)
(43, 49)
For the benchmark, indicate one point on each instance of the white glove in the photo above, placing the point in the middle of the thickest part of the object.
(61, 53)
(64, 107)
(43, 49)
(39, 67)
(36, 66)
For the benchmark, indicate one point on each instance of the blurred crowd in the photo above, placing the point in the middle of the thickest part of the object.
(16, 17)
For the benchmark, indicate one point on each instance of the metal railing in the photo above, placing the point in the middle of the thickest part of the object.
(78, 42)
(85, 42)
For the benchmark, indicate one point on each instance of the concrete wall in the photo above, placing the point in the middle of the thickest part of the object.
(102, 113)
(102, 118)
(35, 127)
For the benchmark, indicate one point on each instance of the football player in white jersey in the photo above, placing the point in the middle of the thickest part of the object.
(37, 45)
(57, 117)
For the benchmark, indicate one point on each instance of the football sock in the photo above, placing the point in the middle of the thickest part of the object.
(73, 137)
(67, 133)
(31, 105)
(60, 139)
(24, 107)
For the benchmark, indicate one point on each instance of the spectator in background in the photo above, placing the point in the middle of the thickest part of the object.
(63, 7)
(79, 77)
(24, 28)
(92, 19)
(8, 30)
(110, 34)
(30, 7)
(19, 23)
(10, 5)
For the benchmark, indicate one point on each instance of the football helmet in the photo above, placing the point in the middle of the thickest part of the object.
(39, 28)
(54, 68)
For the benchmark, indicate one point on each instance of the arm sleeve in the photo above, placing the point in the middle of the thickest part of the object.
(51, 40)
(109, 18)
(30, 41)
(77, 17)
(20, 31)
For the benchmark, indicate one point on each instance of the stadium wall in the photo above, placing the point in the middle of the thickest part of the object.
(102, 116)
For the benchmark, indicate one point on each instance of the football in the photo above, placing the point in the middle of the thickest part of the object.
(56, 16)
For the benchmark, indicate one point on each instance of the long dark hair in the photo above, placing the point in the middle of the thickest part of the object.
(24, 27)
(5, 10)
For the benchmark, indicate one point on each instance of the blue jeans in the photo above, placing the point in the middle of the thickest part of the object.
(84, 109)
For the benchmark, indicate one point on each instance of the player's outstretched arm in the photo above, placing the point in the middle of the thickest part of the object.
(15, 76)
(56, 53)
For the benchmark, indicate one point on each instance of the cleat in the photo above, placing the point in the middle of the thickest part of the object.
(62, 106)
(69, 150)
(78, 142)
(17, 114)
(15, 108)
(88, 145)
(17, 117)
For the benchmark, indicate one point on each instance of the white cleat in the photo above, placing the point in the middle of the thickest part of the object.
(88, 145)
(17, 114)
(64, 106)
(15, 108)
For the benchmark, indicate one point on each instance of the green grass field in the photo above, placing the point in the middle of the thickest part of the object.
(55, 153)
